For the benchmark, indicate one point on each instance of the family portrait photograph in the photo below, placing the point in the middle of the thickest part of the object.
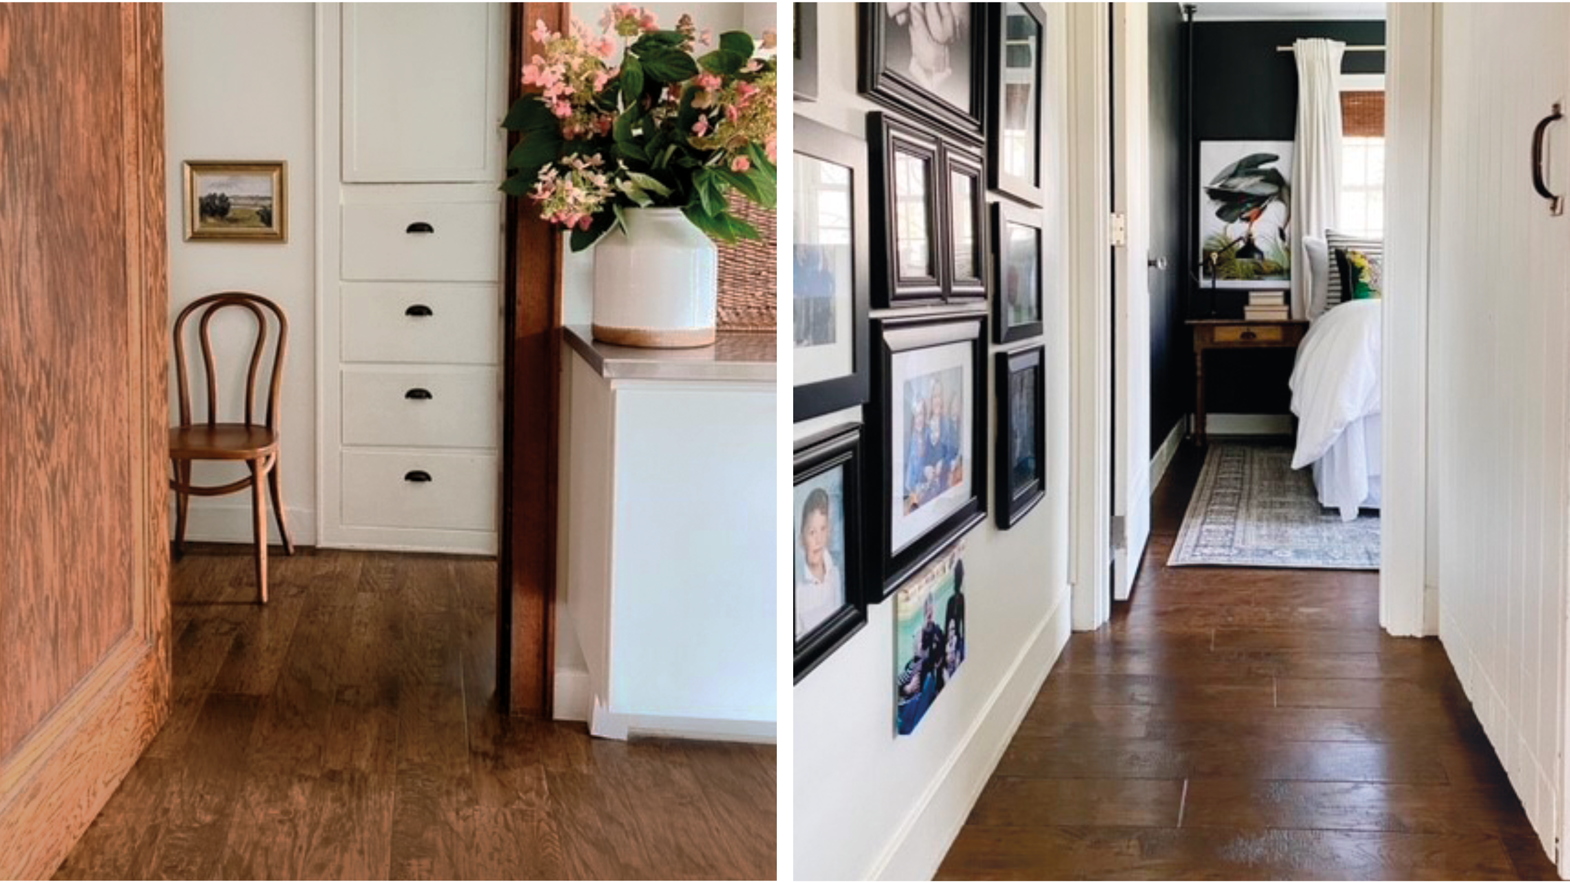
(929, 640)
(931, 452)
(820, 549)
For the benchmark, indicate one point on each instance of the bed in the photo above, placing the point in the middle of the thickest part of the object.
(1336, 398)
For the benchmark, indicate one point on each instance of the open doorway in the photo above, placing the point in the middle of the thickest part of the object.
(1248, 168)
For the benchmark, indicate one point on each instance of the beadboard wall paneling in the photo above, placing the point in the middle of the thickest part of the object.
(1499, 314)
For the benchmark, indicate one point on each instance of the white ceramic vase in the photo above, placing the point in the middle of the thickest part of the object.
(655, 284)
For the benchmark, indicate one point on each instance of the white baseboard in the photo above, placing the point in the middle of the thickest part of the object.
(918, 848)
(1166, 453)
(574, 697)
(604, 723)
(231, 522)
(1248, 424)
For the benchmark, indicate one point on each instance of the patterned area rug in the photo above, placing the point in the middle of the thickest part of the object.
(1251, 509)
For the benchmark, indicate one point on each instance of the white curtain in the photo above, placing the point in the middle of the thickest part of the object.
(1316, 157)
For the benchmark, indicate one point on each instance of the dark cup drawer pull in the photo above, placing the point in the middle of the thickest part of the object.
(419, 310)
(418, 394)
(1249, 335)
(419, 227)
(418, 476)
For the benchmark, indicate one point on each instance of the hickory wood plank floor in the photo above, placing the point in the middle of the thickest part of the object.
(346, 731)
(1247, 724)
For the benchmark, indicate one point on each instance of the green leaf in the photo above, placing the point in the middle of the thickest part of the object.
(598, 227)
(631, 79)
(740, 182)
(668, 65)
(631, 150)
(709, 196)
(518, 185)
(535, 150)
(740, 229)
(637, 194)
(649, 183)
(722, 62)
(529, 114)
(739, 42)
(626, 122)
(658, 39)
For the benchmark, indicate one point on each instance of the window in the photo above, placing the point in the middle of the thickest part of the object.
(1362, 155)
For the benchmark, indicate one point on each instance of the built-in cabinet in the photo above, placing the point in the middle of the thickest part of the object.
(411, 152)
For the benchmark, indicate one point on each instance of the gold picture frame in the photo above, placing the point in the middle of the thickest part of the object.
(236, 201)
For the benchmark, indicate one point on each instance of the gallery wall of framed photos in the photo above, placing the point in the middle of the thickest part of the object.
(949, 411)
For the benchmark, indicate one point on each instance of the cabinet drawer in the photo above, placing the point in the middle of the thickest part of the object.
(421, 323)
(385, 490)
(1247, 334)
(422, 241)
(455, 407)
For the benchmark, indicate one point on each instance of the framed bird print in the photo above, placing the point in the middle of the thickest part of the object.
(1245, 211)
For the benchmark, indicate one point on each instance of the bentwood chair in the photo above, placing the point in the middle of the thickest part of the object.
(254, 444)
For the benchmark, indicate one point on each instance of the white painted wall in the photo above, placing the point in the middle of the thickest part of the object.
(869, 804)
(1501, 317)
(239, 82)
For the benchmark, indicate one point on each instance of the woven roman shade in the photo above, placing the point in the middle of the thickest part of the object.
(1363, 114)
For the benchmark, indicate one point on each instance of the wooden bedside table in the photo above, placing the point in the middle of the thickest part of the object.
(1236, 334)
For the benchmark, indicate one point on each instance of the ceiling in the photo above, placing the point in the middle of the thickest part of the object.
(1288, 11)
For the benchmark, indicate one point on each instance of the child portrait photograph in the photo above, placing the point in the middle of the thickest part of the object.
(932, 432)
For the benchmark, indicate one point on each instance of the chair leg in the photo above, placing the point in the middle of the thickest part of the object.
(277, 494)
(182, 471)
(259, 525)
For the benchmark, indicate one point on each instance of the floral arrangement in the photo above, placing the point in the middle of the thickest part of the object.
(668, 127)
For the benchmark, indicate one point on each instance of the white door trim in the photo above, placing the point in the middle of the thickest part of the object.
(1410, 92)
(1090, 313)
(1131, 484)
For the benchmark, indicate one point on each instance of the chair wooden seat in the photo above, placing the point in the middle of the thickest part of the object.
(237, 441)
(250, 442)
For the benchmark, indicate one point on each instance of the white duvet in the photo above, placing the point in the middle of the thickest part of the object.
(1335, 395)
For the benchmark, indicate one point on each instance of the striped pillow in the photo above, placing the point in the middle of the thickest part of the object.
(1373, 249)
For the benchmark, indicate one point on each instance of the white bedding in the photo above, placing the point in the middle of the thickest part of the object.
(1335, 395)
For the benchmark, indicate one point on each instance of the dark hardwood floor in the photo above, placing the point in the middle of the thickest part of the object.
(346, 731)
(1247, 724)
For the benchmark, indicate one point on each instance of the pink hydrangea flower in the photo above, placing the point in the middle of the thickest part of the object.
(701, 127)
(740, 164)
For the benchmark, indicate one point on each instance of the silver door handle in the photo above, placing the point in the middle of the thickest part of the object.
(1157, 263)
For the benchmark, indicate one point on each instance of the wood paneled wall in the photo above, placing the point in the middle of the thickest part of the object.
(525, 644)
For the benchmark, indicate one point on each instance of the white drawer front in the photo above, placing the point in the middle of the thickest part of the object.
(431, 407)
(463, 243)
(383, 490)
(421, 323)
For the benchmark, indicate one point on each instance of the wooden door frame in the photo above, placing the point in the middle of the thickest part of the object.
(531, 417)
(54, 783)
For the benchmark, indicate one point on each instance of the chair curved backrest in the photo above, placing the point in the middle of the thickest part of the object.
(210, 306)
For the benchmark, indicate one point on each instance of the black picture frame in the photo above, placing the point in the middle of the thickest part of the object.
(1004, 216)
(1016, 497)
(829, 145)
(839, 448)
(944, 161)
(1004, 71)
(804, 50)
(897, 335)
(890, 141)
(961, 164)
(894, 88)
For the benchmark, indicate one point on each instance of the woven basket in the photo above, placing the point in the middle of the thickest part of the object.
(747, 295)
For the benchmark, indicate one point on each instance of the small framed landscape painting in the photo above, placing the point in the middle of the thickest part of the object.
(830, 275)
(1022, 438)
(931, 442)
(827, 545)
(236, 201)
(1016, 311)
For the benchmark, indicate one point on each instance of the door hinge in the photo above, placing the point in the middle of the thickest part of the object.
(1118, 229)
(1119, 532)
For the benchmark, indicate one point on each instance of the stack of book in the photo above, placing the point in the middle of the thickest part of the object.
(1266, 306)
